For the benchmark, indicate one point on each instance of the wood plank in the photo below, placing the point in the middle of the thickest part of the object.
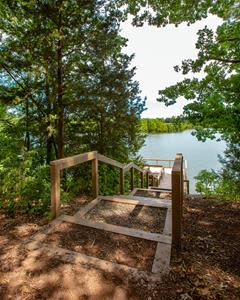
(132, 179)
(168, 222)
(87, 208)
(144, 199)
(109, 161)
(133, 191)
(128, 167)
(141, 201)
(74, 160)
(150, 190)
(118, 229)
(142, 180)
(55, 190)
(138, 168)
(121, 182)
(177, 194)
(147, 180)
(157, 159)
(162, 258)
(95, 187)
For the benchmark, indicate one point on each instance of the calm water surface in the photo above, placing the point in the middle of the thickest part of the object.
(199, 155)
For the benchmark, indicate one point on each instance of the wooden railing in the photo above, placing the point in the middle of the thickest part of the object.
(60, 164)
(177, 199)
(157, 162)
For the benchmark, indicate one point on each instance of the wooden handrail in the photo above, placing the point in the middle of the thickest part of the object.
(109, 161)
(95, 157)
(157, 159)
(73, 160)
(128, 167)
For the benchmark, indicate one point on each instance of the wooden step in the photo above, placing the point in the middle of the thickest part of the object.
(137, 200)
(156, 237)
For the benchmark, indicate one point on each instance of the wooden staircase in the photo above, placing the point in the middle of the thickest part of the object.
(169, 200)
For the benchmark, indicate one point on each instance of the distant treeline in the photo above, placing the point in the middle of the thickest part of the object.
(158, 125)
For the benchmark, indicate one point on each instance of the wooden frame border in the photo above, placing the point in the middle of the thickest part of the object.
(137, 201)
(156, 237)
(104, 265)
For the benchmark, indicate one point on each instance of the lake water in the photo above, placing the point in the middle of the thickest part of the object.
(199, 155)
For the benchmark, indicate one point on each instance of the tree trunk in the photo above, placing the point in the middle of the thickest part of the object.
(60, 126)
(27, 137)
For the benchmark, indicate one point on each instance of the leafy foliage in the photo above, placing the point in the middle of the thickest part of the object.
(215, 105)
(174, 124)
(65, 88)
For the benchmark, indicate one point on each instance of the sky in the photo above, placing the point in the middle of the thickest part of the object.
(157, 51)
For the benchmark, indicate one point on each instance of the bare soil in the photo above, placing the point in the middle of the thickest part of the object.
(118, 248)
(133, 216)
(207, 268)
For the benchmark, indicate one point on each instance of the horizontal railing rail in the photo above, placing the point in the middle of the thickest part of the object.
(157, 162)
(95, 157)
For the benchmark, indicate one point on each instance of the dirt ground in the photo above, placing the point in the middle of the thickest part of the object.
(208, 266)
(118, 248)
(128, 215)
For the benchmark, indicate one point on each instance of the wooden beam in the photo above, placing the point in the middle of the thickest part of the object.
(162, 258)
(138, 201)
(132, 179)
(147, 179)
(55, 190)
(118, 229)
(121, 181)
(128, 167)
(177, 196)
(109, 161)
(139, 169)
(74, 160)
(95, 178)
(142, 180)
(152, 190)
(168, 222)
(87, 208)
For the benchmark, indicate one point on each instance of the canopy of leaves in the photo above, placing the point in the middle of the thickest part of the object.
(65, 88)
(216, 105)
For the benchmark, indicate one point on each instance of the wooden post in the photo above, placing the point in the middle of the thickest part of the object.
(188, 187)
(132, 178)
(95, 178)
(152, 179)
(55, 190)
(121, 182)
(142, 180)
(147, 180)
(177, 198)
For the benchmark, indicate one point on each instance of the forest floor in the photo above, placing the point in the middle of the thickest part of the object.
(208, 266)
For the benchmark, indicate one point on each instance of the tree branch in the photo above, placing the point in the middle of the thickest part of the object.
(231, 61)
(24, 88)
